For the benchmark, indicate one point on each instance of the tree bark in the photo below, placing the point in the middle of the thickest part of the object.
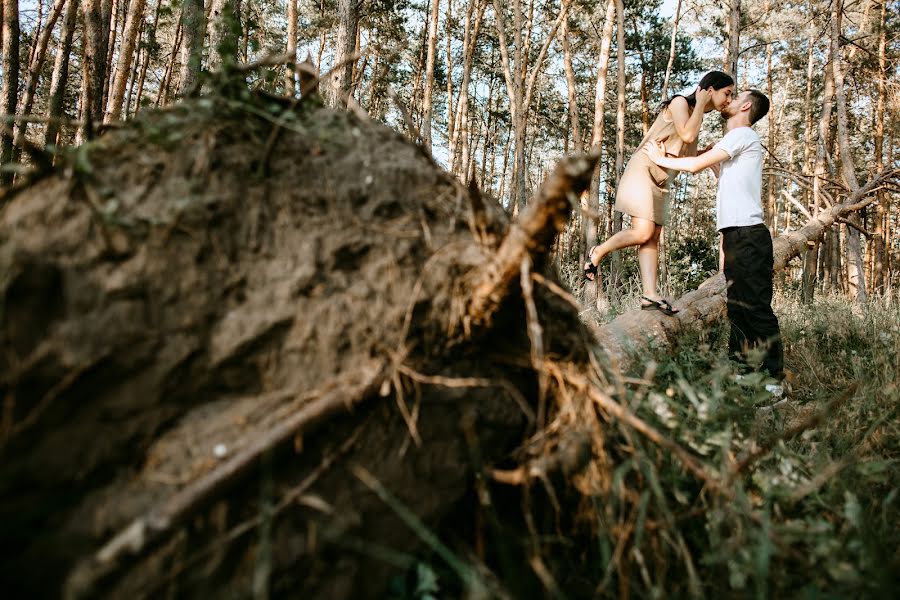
(856, 272)
(571, 87)
(60, 75)
(38, 55)
(448, 33)
(290, 84)
(193, 29)
(733, 47)
(878, 271)
(470, 42)
(616, 259)
(769, 214)
(521, 86)
(225, 32)
(665, 87)
(823, 149)
(9, 91)
(645, 68)
(593, 200)
(93, 65)
(130, 36)
(348, 23)
(430, 57)
(162, 94)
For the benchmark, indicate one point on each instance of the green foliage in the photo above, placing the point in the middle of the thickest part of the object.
(691, 259)
(817, 515)
(813, 517)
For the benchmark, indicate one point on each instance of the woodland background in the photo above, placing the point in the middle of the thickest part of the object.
(500, 91)
(496, 93)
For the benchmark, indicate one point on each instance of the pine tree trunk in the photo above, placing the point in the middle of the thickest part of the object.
(570, 86)
(448, 33)
(348, 23)
(645, 68)
(823, 146)
(93, 66)
(133, 24)
(10, 87)
(34, 70)
(878, 271)
(665, 87)
(733, 29)
(470, 41)
(770, 155)
(616, 261)
(146, 61)
(290, 85)
(113, 21)
(224, 33)
(193, 27)
(430, 57)
(592, 202)
(856, 276)
(60, 75)
(162, 95)
(600, 99)
(521, 86)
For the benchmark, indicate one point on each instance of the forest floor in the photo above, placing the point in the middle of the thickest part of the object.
(815, 517)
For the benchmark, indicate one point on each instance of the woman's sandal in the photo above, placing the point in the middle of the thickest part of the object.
(662, 305)
(590, 268)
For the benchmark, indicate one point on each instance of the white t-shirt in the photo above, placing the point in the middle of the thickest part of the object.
(739, 200)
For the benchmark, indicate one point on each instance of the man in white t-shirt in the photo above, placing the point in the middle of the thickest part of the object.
(746, 244)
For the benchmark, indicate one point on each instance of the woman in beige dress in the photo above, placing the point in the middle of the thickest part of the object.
(643, 190)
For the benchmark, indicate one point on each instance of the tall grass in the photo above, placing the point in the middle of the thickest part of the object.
(816, 516)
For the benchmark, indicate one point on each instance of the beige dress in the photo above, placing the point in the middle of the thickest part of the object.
(643, 191)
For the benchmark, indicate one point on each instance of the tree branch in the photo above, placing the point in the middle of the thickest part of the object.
(531, 235)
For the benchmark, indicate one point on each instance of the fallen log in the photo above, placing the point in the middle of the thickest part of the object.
(636, 331)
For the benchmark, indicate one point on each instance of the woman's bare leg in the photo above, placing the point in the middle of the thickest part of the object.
(642, 230)
(648, 261)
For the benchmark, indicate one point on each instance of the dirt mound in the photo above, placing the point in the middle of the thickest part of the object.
(182, 292)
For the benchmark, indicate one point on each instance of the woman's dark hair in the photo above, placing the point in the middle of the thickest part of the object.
(716, 79)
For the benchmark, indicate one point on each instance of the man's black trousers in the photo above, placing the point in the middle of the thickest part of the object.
(748, 272)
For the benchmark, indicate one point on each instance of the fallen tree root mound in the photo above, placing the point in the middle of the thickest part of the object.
(229, 326)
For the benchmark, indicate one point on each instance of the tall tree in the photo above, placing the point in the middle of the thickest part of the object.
(881, 213)
(93, 65)
(39, 52)
(60, 75)
(571, 86)
(290, 85)
(471, 28)
(856, 275)
(665, 88)
(133, 23)
(431, 56)
(733, 32)
(520, 82)
(193, 27)
(592, 201)
(342, 75)
(224, 32)
(9, 91)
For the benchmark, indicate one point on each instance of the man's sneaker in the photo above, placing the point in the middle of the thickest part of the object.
(777, 390)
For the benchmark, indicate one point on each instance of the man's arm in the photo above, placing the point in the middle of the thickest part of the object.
(691, 164)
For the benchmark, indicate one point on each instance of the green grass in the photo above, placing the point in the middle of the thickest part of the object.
(816, 517)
